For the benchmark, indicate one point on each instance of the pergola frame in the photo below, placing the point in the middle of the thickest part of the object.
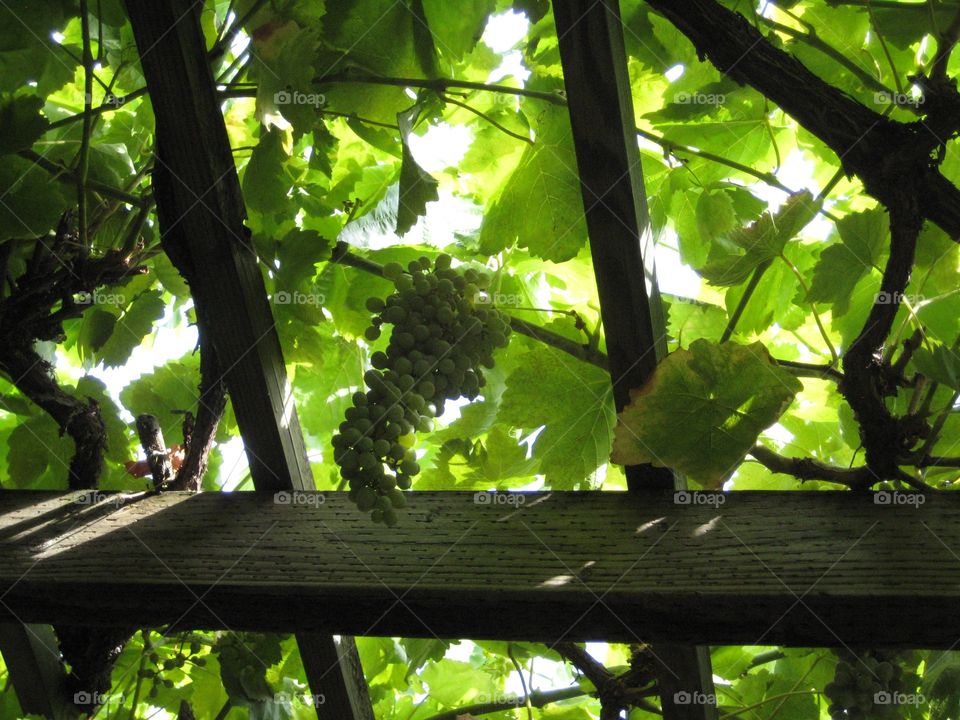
(778, 568)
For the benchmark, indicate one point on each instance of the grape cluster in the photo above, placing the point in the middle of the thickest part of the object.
(442, 334)
(159, 660)
(867, 685)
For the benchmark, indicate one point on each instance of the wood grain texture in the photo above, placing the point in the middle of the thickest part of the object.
(801, 569)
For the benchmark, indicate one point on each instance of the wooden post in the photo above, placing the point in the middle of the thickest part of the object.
(201, 211)
(33, 660)
(601, 115)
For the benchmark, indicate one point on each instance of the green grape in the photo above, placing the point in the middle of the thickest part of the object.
(392, 271)
(438, 343)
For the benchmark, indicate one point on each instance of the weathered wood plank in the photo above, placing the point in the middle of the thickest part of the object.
(794, 568)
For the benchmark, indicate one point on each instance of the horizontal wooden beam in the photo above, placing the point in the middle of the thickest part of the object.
(799, 568)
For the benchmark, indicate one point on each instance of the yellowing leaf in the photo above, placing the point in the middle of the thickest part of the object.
(702, 410)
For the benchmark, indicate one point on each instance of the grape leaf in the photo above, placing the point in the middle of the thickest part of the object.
(540, 206)
(21, 123)
(703, 409)
(456, 27)
(733, 257)
(265, 183)
(417, 187)
(132, 327)
(862, 246)
(573, 400)
(30, 204)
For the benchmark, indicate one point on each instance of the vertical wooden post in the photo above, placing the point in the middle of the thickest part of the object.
(33, 661)
(201, 211)
(590, 34)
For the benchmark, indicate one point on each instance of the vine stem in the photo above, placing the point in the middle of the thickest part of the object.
(139, 684)
(438, 85)
(813, 306)
(478, 113)
(762, 268)
(60, 170)
(744, 299)
(536, 699)
(782, 697)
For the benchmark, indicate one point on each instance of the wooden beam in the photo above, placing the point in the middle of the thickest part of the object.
(33, 660)
(600, 100)
(802, 569)
(201, 211)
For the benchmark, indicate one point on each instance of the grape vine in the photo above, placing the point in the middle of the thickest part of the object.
(443, 333)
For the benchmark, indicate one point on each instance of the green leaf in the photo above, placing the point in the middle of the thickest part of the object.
(939, 363)
(132, 327)
(30, 203)
(417, 187)
(21, 123)
(862, 247)
(376, 37)
(34, 446)
(265, 184)
(733, 257)
(574, 402)
(540, 206)
(703, 409)
(456, 27)
(96, 329)
(285, 72)
(455, 683)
